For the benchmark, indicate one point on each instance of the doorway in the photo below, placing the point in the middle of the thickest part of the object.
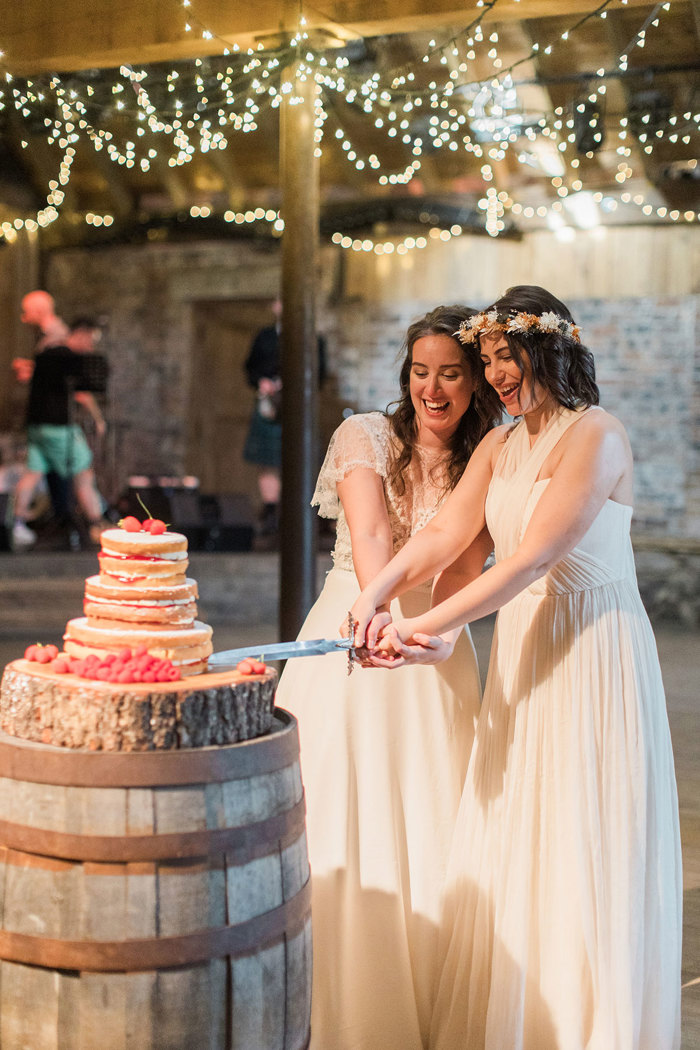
(221, 402)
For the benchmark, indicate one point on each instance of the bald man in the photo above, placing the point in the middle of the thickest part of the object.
(39, 309)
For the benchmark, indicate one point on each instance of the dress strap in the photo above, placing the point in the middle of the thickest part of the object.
(518, 456)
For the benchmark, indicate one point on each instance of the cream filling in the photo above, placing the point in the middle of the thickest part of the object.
(160, 556)
(137, 601)
(185, 636)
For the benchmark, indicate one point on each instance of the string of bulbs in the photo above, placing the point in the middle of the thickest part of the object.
(202, 116)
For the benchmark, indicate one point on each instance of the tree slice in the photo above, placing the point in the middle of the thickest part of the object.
(199, 711)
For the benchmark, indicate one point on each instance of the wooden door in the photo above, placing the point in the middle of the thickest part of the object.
(221, 402)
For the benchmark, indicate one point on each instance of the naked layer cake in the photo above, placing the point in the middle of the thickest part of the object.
(142, 597)
(99, 694)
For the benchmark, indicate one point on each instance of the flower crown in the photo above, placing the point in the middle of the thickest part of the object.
(521, 323)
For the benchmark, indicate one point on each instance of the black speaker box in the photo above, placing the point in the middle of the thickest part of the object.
(213, 523)
(155, 497)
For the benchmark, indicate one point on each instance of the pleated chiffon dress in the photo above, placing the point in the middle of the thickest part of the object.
(384, 754)
(562, 922)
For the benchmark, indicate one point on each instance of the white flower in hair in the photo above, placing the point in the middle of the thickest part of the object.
(491, 317)
(519, 323)
(551, 322)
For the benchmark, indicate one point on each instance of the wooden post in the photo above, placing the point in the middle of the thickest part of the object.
(300, 211)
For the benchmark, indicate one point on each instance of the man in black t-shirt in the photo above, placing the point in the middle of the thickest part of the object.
(54, 442)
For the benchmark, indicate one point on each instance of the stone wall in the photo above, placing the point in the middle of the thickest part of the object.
(645, 347)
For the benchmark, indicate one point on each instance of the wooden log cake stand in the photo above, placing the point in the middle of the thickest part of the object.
(154, 900)
(196, 711)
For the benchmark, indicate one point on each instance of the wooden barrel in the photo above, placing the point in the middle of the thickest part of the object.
(154, 900)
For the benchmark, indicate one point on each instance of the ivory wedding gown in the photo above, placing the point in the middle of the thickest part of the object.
(384, 754)
(562, 924)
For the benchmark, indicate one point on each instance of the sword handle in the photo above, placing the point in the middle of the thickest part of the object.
(352, 624)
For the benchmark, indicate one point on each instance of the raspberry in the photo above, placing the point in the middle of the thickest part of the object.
(60, 665)
(123, 676)
(123, 655)
(140, 651)
(148, 676)
(173, 674)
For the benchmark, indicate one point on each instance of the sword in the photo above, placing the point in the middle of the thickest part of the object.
(229, 658)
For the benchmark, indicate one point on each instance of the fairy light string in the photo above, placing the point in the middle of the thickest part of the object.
(197, 107)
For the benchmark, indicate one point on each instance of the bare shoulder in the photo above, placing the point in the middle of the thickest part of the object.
(497, 437)
(598, 425)
(596, 438)
(491, 444)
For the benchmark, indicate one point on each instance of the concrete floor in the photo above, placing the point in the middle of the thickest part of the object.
(238, 597)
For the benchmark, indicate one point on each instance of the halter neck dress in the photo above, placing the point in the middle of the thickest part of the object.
(562, 919)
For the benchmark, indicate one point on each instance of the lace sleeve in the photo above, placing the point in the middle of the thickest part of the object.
(360, 441)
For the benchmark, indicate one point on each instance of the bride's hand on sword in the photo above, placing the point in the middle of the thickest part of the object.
(369, 621)
(399, 645)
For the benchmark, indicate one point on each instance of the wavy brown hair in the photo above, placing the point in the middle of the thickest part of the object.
(562, 365)
(483, 413)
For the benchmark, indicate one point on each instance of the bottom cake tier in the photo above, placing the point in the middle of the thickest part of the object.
(200, 711)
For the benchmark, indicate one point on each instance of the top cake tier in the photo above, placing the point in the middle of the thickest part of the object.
(139, 556)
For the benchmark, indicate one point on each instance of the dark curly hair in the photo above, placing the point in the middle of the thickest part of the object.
(562, 365)
(483, 413)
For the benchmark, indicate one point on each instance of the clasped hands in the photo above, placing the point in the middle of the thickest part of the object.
(383, 642)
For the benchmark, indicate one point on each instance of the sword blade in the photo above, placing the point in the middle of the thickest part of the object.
(279, 651)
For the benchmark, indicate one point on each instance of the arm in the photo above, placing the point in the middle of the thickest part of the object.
(427, 648)
(88, 402)
(596, 459)
(361, 493)
(454, 528)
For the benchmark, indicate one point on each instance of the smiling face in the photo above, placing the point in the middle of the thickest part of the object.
(513, 382)
(441, 386)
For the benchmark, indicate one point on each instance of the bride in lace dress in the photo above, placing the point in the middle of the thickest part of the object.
(562, 920)
(384, 753)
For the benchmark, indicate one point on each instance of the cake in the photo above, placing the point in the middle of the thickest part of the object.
(141, 607)
(142, 597)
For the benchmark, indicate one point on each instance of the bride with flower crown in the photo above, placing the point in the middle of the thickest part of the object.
(561, 925)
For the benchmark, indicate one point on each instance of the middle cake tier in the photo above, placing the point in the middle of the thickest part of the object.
(161, 602)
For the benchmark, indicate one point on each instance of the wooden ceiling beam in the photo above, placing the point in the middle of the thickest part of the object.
(40, 36)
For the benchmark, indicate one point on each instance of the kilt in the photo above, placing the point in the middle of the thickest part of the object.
(263, 443)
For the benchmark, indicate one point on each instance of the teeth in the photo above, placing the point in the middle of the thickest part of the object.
(435, 404)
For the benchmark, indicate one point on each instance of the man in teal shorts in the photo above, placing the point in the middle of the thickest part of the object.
(54, 442)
